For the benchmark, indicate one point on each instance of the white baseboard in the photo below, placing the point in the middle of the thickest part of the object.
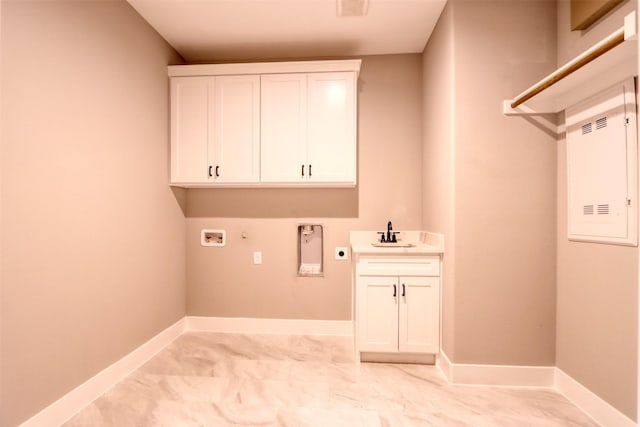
(443, 362)
(71, 403)
(269, 326)
(77, 399)
(496, 375)
(601, 412)
(463, 374)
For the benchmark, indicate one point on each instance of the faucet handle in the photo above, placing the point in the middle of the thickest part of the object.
(393, 237)
(381, 233)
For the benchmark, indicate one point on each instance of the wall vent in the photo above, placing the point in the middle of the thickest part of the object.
(603, 209)
(587, 209)
(352, 7)
(601, 123)
(586, 128)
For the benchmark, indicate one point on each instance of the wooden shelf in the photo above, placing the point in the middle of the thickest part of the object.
(612, 67)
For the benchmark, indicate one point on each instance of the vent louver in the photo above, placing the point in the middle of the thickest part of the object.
(586, 128)
(352, 7)
(603, 209)
(587, 210)
(601, 123)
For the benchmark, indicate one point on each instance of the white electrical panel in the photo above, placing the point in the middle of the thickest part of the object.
(602, 166)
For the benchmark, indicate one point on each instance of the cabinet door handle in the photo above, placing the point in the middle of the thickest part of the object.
(217, 171)
(403, 290)
(302, 170)
(309, 170)
(394, 290)
(210, 168)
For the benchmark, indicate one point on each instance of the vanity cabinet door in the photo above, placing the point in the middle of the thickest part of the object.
(419, 315)
(377, 313)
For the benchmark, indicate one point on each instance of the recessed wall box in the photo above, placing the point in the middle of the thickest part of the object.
(213, 238)
(310, 237)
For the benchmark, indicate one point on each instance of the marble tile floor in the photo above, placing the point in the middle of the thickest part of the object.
(211, 379)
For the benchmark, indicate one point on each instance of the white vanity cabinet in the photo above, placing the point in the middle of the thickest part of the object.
(397, 304)
(268, 124)
(215, 130)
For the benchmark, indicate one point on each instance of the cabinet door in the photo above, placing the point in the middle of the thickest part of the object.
(283, 128)
(332, 127)
(377, 313)
(189, 125)
(236, 129)
(419, 328)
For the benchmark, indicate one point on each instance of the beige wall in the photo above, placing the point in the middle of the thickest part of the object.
(93, 240)
(438, 184)
(572, 43)
(597, 283)
(224, 281)
(499, 300)
(93, 253)
(505, 187)
(2, 392)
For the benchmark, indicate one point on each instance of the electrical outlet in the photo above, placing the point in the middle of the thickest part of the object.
(342, 252)
(257, 257)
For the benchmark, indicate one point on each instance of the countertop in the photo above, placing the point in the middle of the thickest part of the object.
(425, 243)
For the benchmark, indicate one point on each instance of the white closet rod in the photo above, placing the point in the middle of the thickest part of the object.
(576, 63)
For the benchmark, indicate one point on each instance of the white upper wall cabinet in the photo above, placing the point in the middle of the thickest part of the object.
(236, 129)
(308, 128)
(283, 127)
(215, 130)
(264, 125)
(189, 126)
(331, 127)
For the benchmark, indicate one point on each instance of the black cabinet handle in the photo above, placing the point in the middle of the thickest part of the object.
(217, 171)
(403, 290)
(210, 168)
(302, 170)
(394, 290)
(309, 170)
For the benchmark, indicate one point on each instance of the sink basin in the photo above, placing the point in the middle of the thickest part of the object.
(393, 245)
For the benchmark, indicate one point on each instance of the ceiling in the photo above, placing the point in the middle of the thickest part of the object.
(225, 30)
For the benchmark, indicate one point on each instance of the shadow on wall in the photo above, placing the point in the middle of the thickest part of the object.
(272, 203)
(181, 198)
